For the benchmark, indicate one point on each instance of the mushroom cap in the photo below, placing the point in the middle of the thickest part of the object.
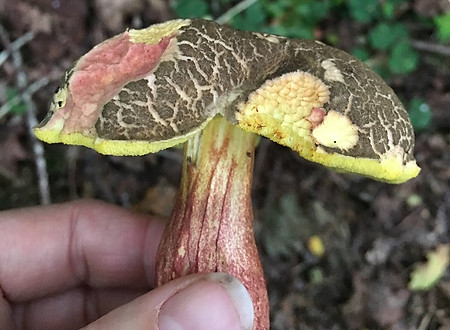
(150, 89)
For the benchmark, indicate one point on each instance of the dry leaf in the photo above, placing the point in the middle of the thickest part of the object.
(427, 274)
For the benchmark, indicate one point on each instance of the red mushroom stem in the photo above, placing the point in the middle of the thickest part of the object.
(211, 227)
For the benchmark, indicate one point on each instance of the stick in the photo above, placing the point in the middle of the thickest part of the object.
(38, 149)
(233, 11)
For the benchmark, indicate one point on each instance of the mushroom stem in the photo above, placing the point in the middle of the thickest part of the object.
(211, 227)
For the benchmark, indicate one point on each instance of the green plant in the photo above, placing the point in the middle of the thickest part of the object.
(290, 18)
(403, 58)
(253, 18)
(420, 113)
(388, 43)
(13, 104)
(364, 11)
(443, 27)
(191, 8)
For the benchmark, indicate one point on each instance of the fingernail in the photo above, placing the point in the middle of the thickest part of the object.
(217, 302)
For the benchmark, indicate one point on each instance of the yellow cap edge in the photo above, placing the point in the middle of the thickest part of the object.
(388, 168)
(113, 147)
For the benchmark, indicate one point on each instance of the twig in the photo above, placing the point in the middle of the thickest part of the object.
(431, 47)
(425, 322)
(233, 11)
(15, 46)
(33, 88)
(38, 149)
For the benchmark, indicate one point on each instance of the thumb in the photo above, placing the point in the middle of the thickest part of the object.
(200, 301)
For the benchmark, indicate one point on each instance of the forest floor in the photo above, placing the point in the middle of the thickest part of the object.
(374, 234)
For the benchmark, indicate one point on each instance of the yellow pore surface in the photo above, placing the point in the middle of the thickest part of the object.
(280, 107)
(336, 131)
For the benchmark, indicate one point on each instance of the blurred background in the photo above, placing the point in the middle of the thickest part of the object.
(339, 251)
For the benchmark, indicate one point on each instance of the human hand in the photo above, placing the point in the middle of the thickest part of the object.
(65, 266)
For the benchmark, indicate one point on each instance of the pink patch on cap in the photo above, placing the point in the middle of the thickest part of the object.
(102, 72)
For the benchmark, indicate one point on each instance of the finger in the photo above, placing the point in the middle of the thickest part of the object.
(215, 302)
(51, 249)
(69, 310)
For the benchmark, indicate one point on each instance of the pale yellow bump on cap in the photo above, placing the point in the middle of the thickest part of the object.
(336, 131)
(287, 99)
(154, 33)
(279, 108)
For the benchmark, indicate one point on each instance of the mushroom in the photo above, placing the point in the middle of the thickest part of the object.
(214, 88)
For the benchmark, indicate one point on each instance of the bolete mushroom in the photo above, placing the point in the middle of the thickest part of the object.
(214, 87)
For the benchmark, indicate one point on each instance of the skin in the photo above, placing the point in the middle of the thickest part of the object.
(65, 266)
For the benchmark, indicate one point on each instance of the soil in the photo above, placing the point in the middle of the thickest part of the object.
(374, 234)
